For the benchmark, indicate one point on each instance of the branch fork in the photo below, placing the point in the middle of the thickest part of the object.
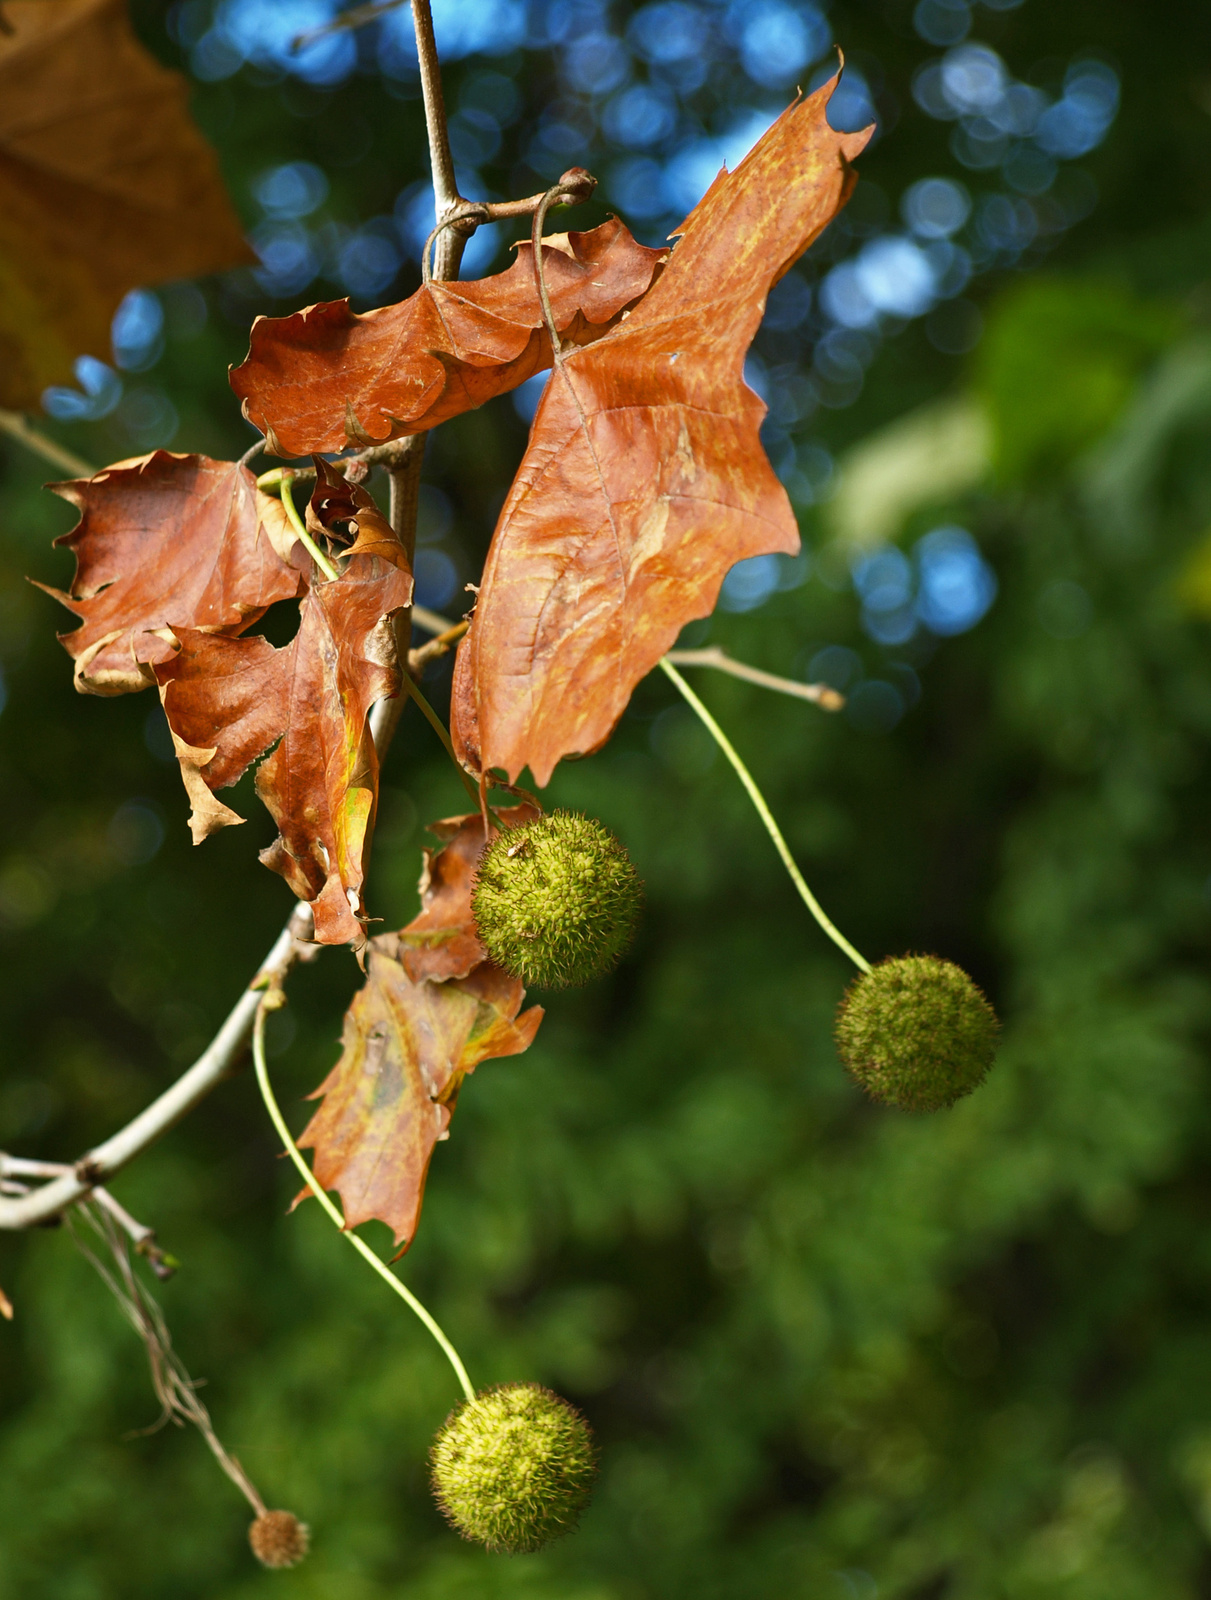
(464, 216)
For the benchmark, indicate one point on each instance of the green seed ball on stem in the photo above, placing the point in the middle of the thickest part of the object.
(917, 1033)
(557, 900)
(513, 1468)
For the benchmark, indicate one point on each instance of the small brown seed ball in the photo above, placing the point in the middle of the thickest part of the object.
(279, 1539)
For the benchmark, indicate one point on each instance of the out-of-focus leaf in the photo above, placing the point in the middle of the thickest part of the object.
(644, 480)
(1058, 362)
(325, 378)
(931, 455)
(441, 941)
(432, 1008)
(227, 700)
(105, 185)
(167, 542)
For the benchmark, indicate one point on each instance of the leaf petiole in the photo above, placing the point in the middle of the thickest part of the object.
(435, 722)
(296, 522)
(766, 815)
(309, 1178)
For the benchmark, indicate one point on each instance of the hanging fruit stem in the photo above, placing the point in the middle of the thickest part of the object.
(272, 999)
(766, 815)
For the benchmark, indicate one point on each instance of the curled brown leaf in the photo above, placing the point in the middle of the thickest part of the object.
(388, 1101)
(336, 500)
(228, 700)
(326, 378)
(163, 542)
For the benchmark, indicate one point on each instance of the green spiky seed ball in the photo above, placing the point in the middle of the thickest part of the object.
(556, 901)
(917, 1033)
(513, 1468)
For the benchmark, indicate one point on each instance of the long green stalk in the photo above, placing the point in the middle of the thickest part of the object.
(300, 528)
(309, 1178)
(766, 815)
(413, 689)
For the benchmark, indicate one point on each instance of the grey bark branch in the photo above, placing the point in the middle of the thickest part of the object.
(446, 198)
(405, 467)
(217, 1061)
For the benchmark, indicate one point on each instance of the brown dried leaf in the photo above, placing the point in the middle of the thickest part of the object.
(227, 700)
(441, 942)
(325, 378)
(406, 1048)
(6, 1307)
(335, 500)
(644, 480)
(164, 542)
(105, 184)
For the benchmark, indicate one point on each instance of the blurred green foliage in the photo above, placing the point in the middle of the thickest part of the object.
(828, 1349)
(1056, 368)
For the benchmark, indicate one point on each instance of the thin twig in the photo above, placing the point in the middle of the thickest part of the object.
(19, 428)
(712, 656)
(464, 218)
(217, 1062)
(142, 1237)
(404, 458)
(432, 621)
(540, 277)
(174, 1388)
(356, 17)
(419, 659)
(22, 1167)
(449, 252)
(393, 454)
(574, 187)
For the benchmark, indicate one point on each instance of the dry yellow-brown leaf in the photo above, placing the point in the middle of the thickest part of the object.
(388, 1101)
(105, 185)
(644, 479)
